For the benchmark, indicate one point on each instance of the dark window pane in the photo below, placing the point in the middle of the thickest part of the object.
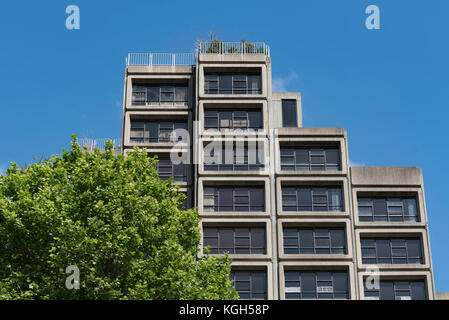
(225, 84)
(383, 248)
(414, 248)
(225, 199)
(338, 238)
(418, 290)
(306, 238)
(387, 291)
(258, 237)
(289, 113)
(308, 282)
(153, 94)
(257, 198)
(380, 207)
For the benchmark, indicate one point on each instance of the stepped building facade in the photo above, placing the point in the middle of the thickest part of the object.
(280, 198)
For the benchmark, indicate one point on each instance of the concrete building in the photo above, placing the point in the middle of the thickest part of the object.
(298, 222)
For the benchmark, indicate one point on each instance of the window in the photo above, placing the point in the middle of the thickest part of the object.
(246, 158)
(159, 94)
(391, 251)
(153, 131)
(235, 240)
(316, 285)
(289, 114)
(397, 290)
(250, 284)
(232, 84)
(401, 209)
(314, 241)
(232, 119)
(310, 158)
(167, 169)
(185, 204)
(312, 199)
(234, 199)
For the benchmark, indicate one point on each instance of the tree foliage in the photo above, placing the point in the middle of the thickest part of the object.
(114, 219)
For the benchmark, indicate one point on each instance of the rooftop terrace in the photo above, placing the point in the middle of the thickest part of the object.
(203, 47)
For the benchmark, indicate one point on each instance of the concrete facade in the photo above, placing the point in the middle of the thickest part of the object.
(354, 182)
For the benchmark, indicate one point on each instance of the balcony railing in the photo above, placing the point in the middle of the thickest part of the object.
(218, 47)
(160, 59)
(91, 144)
(203, 47)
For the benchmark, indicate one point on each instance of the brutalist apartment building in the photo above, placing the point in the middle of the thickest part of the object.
(297, 221)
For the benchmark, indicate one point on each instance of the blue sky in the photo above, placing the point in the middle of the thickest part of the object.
(388, 88)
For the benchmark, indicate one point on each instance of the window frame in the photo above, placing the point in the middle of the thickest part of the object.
(251, 294)
(297, 165)
(212, 83)
(375, 294)
(369, 202)
(251, 248)
(287, 120)
(215, 197)
(392, 256)
(315, 248)
(319, 278)
(236, 165)
(177, 177)
(317, 194)
(220, 116)
(164, 134)
(142, 91)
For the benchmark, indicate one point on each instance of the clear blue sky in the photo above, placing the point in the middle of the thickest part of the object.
(389, 88)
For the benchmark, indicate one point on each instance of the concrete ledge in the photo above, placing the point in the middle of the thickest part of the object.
(159, 69)
(318, 131)
(232, 58)
(386, 176)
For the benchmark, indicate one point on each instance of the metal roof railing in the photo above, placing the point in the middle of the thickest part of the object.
(91, 144)
(160, 59)
(203, 47)
(219, 47)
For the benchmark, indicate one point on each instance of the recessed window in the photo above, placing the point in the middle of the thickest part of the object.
(316, 285)
(155, 131)
(305, 198)
(217, 120)
(159, 94)
(233, 158)
(238, 240)
(386, 209)
(314, 240)
(242, 199)
(250, 284)
(232, 83)
(391, 251)
(168, 170)
(289, 113)
(396, 290)
(308, 159)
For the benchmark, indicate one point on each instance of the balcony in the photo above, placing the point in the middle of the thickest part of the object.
(159, 95)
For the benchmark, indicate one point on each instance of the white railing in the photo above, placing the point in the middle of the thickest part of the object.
(203, 47)
(219, 47)
(160, 59)
(91, 144)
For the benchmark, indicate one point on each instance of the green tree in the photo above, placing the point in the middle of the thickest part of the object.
(114, 219)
